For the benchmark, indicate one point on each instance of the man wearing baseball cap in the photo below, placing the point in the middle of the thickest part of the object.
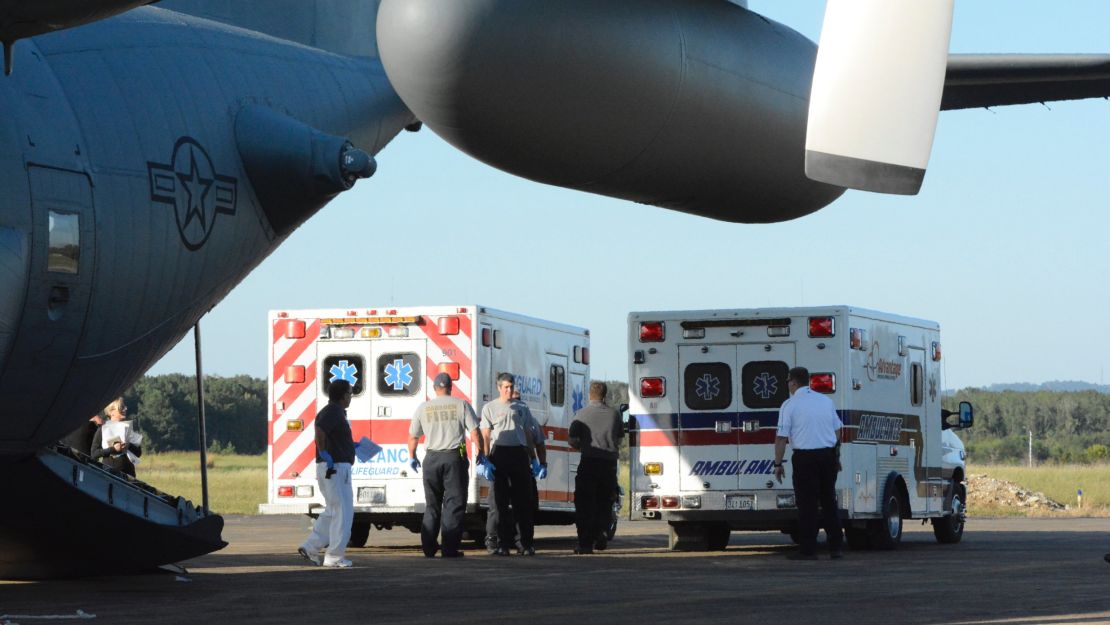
(445, 422)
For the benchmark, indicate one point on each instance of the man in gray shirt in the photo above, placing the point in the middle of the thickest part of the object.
(445, 421)
(507, 435)
(596, 432)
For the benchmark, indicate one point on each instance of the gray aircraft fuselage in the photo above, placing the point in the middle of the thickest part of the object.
(129, 205)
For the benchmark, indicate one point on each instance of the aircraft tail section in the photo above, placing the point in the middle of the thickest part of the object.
(341, 26)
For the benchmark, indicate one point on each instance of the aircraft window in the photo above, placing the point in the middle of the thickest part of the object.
(399, 374)
(343, 367)
(65, 243)
(708, 386)
(558, 385)
(764, 383)
(917, 384)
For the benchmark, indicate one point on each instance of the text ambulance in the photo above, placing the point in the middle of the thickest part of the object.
(705, 389)
(390, 356)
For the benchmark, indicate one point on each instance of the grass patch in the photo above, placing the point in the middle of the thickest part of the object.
(236, 483)
(1059, 482)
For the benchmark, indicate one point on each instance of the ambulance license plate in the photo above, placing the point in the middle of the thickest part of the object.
(739, 502)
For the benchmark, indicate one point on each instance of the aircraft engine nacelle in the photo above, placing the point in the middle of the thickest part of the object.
(694, 105)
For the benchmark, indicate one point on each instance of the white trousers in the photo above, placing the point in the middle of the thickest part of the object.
(332, 528)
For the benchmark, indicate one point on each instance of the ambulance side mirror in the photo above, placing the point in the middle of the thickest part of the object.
(623, 409)
(966, 417)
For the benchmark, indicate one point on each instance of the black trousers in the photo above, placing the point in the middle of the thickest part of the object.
(445, 475)
(512, 484)
(815, 486)
(594, 485)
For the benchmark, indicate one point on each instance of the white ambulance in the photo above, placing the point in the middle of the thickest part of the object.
(705, 389)
(391, 355)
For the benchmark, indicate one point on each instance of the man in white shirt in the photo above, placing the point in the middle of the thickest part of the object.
(808, 421)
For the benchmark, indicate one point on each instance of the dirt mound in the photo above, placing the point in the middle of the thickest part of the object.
(986, 491)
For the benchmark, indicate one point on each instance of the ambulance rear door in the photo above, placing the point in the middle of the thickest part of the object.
(708, 404)
(763, 368)
(398, 381)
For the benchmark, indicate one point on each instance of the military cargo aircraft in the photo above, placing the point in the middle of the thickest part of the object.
(154, 155)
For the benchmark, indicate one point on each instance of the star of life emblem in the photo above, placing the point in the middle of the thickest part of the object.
(344, 371)
(707, 387)
(577, 399)
(765, 386)
(398, 374)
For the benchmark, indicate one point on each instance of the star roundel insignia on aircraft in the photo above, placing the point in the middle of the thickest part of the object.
(707, 387)
(344, 371)
(765, 386)
(398, 374)
(190, 183)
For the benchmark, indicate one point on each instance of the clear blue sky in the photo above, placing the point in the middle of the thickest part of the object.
(1006, 246)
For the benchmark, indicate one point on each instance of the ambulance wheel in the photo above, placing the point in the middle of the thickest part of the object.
(886, 533)
(360, 532)
(716, 536)
(686, 536)
(950, 529)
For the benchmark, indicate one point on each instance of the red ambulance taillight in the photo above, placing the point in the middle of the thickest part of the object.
(585, 355)
(652, 332)
(653, 387)
(294, 374)
(285, 491)
(823, 382)
(450, 368)
(649, 502)
(936, 351)
(448, 325)
(821, 326)
(294, 329)
(669, 501)
(487, 338)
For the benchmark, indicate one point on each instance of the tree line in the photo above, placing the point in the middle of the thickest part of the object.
(1067, 426)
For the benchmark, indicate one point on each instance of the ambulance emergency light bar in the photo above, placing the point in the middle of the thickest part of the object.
(341, 328)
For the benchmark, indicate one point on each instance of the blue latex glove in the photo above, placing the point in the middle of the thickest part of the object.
(331, 465)
(415, 464)
(539, 471)
(485, 472)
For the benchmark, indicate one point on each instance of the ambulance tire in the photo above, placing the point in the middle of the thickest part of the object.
(360, 533)
(611, 529)
(716, 536)
(886, 533)
(949, 530)
(686, 536)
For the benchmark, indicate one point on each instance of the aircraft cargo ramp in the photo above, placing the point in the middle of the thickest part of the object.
(67, 515)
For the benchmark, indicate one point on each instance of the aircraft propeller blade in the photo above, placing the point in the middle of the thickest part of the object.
(876, 93)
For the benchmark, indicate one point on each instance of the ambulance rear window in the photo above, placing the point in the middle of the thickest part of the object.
(342, 367)
(399, 374)
(708, 386)
(764, 383)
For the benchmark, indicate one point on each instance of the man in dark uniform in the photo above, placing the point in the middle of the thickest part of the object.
(596, 431)
(808, 421)
(445, 421)
(509, 441)
(335, 453)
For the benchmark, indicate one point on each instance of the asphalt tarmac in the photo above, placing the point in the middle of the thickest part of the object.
(1021, 571)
